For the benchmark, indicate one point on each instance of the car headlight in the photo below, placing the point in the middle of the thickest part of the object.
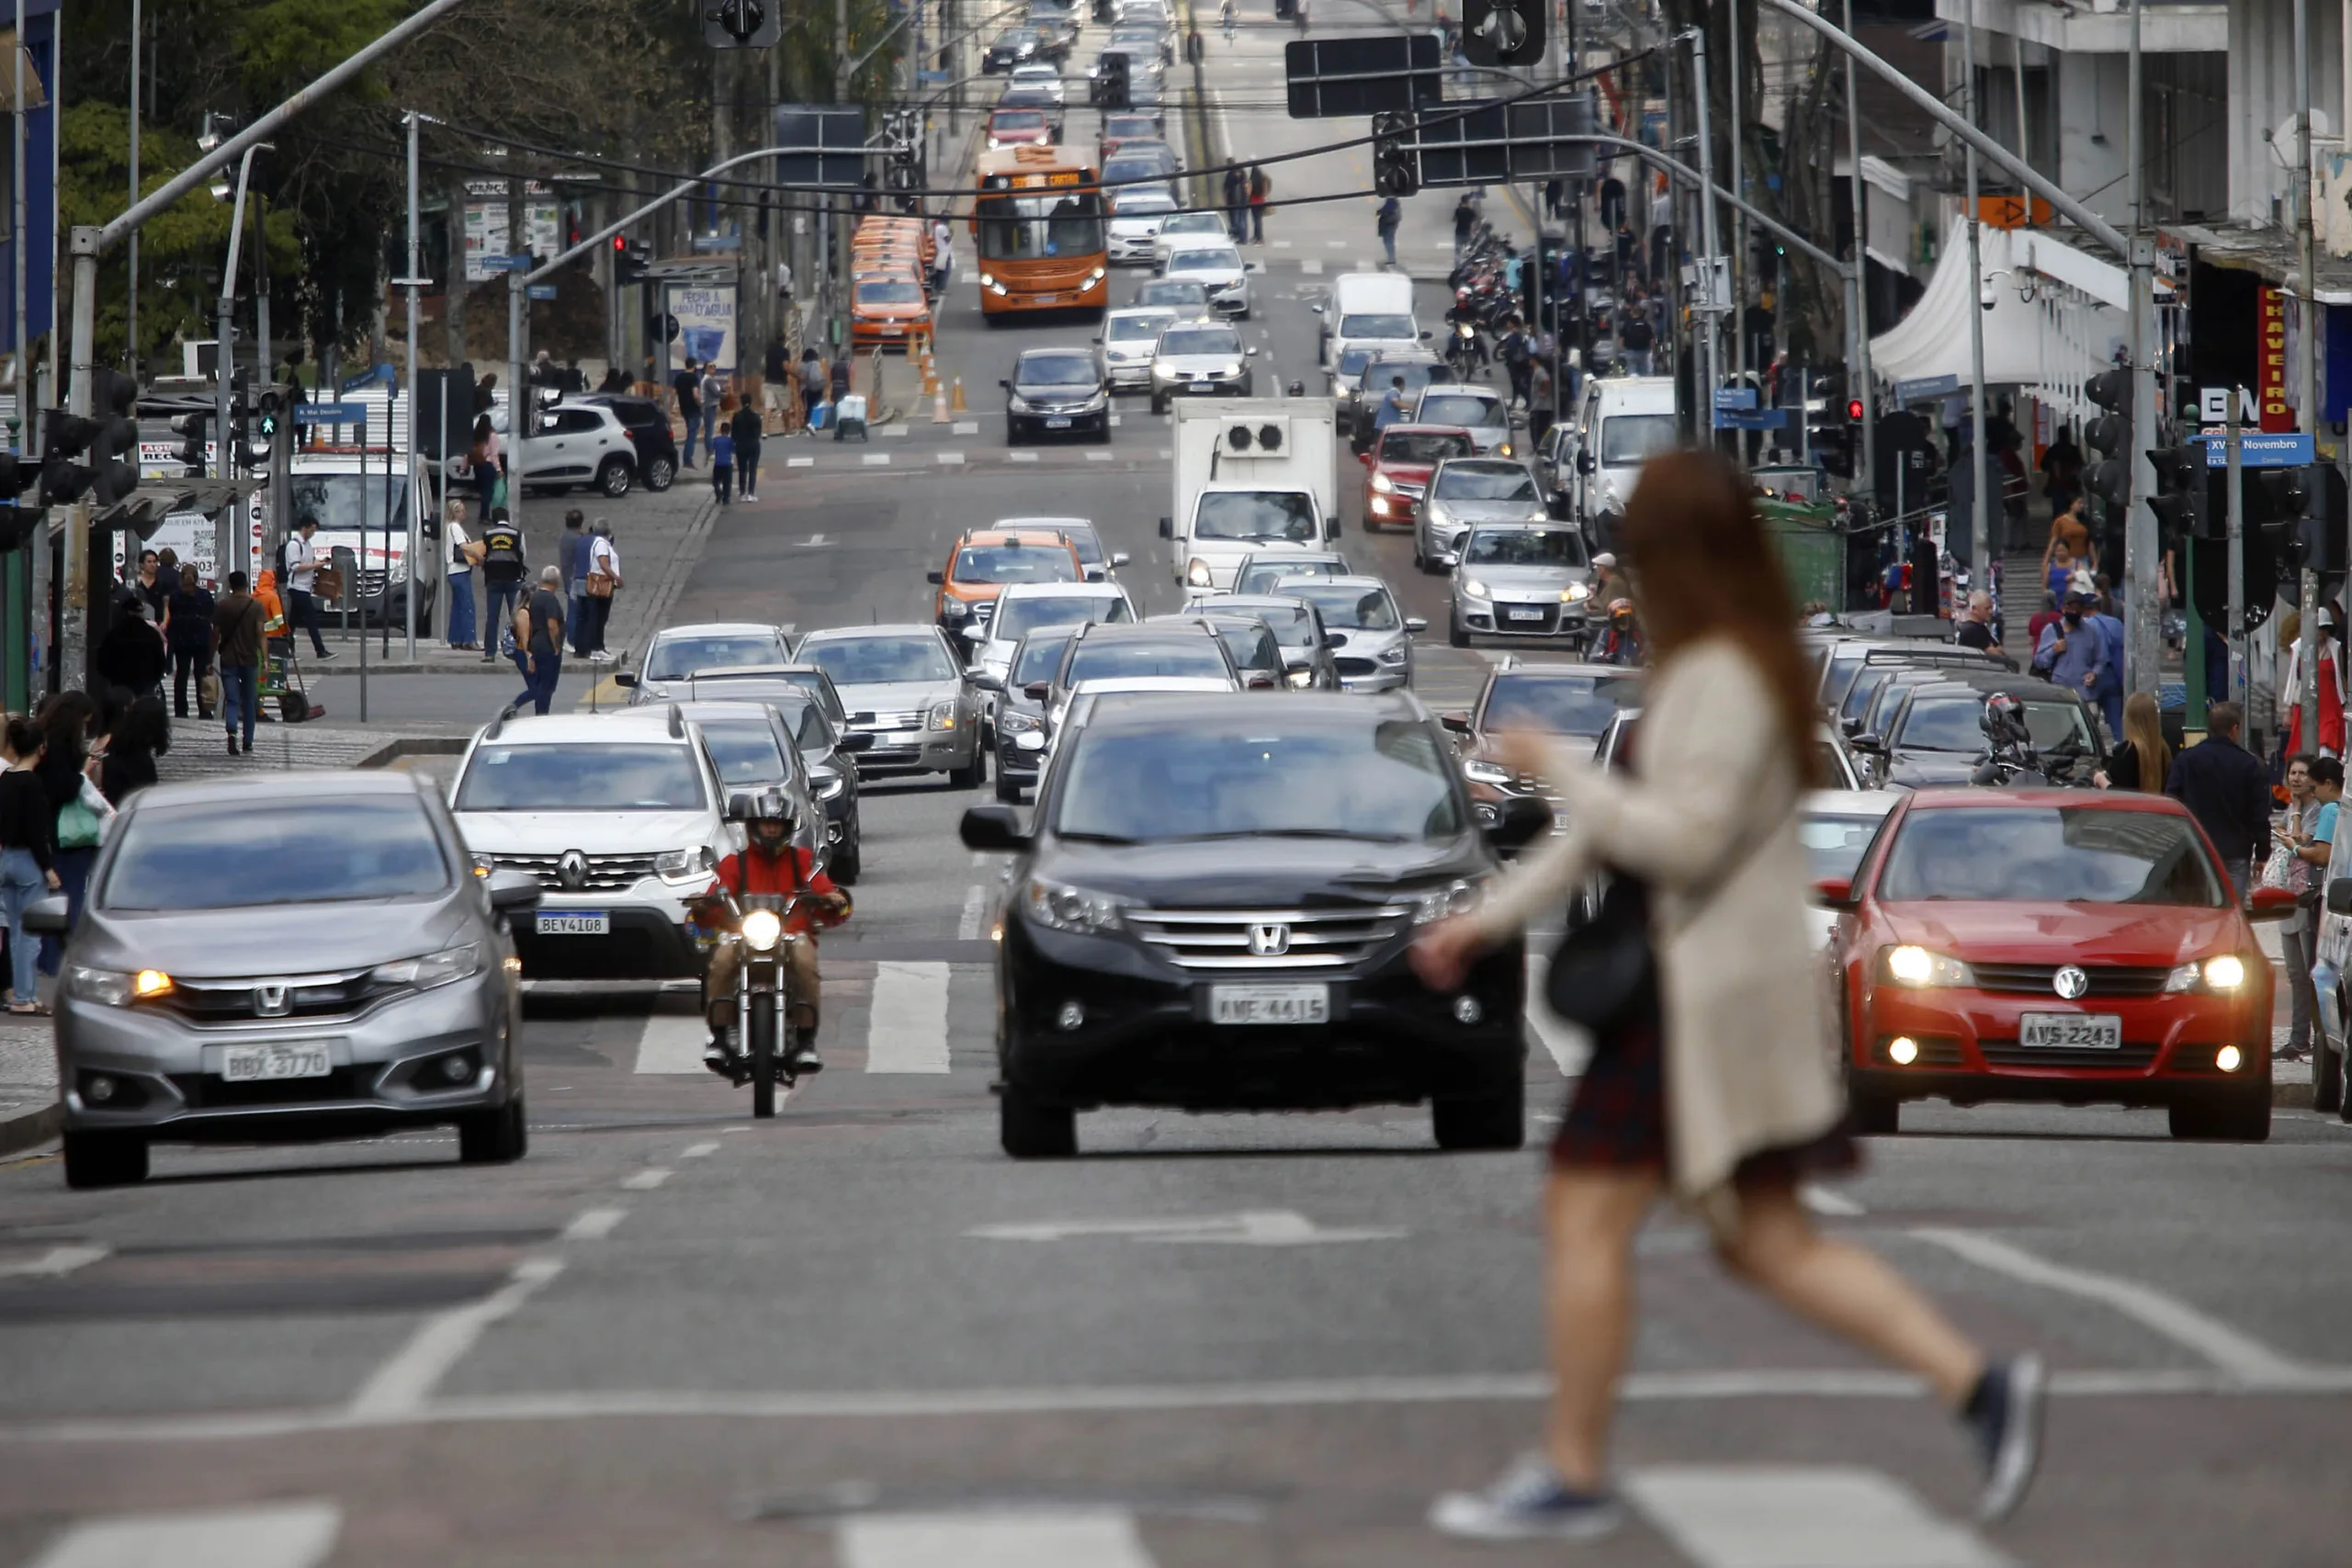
(1016, 403)
(1096, 404)
(677, 865)
(1490, 774)
(432, 969)
(2224, 973)
(1097, 275)
(485, 865)
(1473, 588)
(1503, 448)
(762, 928)
(1574, 593)
(828, 786)
(652, 694)
(1196, 574)
(955, 609)
(1383, 483)
(1456, 897)
(1299, 680)
(941, 716)
(1228, 369)
(1394, 653)
(993, 145)
(1922, 970)
(115, 987)
(1059, 907)
(1017, 723)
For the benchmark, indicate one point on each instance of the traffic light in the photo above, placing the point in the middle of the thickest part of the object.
(64, 438)
(1113, 93)
(2303, 511)
(2183, 502)
(743, 24)
(1396, 165)
(17, 523)
(629, 261)
(190, 454)
(114, 449)
(1503, 32)
(2111, 430)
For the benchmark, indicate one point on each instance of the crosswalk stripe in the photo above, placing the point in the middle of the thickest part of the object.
(876, 459)
(283, 1535)
(1021, 456)
(1098, 456)
(800, 462)
(967, 427)
(1808, 1516)
(948, 458)
(1084, 1538)
(907, 1030)
(672, 1044)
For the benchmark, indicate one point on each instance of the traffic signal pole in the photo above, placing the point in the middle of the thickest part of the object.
(1858, 281)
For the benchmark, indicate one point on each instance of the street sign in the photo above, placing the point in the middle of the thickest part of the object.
(828, 146)
(1919, 389)
(331, 413)
(1735, 398)
(504, 264)
(1750, 419)
(1498, 143)
(717, 241)
(2257, 449)
(1343, 76)
(540, 291)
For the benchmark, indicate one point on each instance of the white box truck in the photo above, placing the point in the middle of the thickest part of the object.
(1253, 476)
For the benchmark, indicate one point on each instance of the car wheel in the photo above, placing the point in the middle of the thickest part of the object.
(1484, 1122)
(1159, 403)
(614, 477)
(1011, 433)
(104, 1159)
(660, 474)
(1102, 433)
(2327, 1073)
(849, 863)
(973, 774)
(493, 1137)
(1007, 789)
(1456, 633)
(1420, 558)
(1873, 1116)
(2239, 1117)
(1029, 1130)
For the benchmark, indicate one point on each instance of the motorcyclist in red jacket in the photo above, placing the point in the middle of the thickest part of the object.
(772, 863)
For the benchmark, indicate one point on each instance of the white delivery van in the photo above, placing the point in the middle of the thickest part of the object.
(1252, 475)
(1621, 421)
(361, 501)
(1367, 311)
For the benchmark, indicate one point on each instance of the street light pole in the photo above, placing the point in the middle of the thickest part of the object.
(1858, 289)
(224, 361)
(1710, 258)
(1980, 521)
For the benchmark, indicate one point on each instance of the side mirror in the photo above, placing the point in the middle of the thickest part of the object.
(624, 677)
(1367, 459)
(934, 578)
(1425, 334)
(1258, 681)
(993, 828)
(1006, 384)
(1520, 819)
(1167, 529)
(854, 740)
(1249, 353)
(1335, 639)
(1852, 726)
(1037, 691)
(2339, 898)
(1459, 723)
(1331, 527)
(1417, 622)
(2275, 903)
(982, 681)
(973, 633)
(46, 917)
(1874, 745)
(1318, 310)
(1584, 462)
(1297, 388)
(1838, 893)
(1119, 558)
(512, 892)
(1097, 340)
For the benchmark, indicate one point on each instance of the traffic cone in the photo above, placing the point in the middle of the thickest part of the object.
(957, 404)
(938, 403)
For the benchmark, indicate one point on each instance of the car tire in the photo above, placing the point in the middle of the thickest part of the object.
(1102, 436)
(493, 1137)
(2241, 1116)
(2327, 1076)
(1481, 1121)
(1873, 1116)
(660, 474)
(1028, 1129)
(1012, 433)
(613, 480)
(1007, 790)
(1159, 403)
(974, 775)
(849, 863)
(1456, 633)
(104, 1159)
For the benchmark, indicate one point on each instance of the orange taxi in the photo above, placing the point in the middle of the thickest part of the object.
(984, 561)
(888, 310)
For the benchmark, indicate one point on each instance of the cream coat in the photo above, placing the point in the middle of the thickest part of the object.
(1748, 1060)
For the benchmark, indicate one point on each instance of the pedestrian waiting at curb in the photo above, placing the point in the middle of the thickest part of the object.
(604, 581)
(572, 559)
(66, 719)
(28, 857)
(188, 635)
(503, 564)
(240, 631)
(465, 555)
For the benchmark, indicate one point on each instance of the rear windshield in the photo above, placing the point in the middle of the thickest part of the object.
(588, 776)
(223, 856)
(1421, 446)
(675, 656)
(1456, 408)
(890, 291)
(1014, 563)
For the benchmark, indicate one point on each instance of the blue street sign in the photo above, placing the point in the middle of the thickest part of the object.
(1923, 387)
(506, 264)
(331, 413)
(717, 241)
(1735, 397)
(2260, 449)
(540, 291)
(1750, 419)
(368, 377)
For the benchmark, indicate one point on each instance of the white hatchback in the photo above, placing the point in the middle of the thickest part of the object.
(1217, 265)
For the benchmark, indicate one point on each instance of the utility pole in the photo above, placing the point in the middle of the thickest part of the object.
(1710, 262)
(2307, 324)
(1980, 522)
(2235, 634)
(131, 325)
(1736, 67)
(2142, 542)
(1857, 294)
(414, 281)
(837, 251)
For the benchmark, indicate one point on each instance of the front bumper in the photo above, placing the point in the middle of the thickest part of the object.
(1370, 676)
(1392, 508)
(1020, 758)
(1088, 424)
(1234, 299)
(1127, 252)
(1124, 375)
(386, 1059)
(1495, 618)
(649, 942)
(901, 751)
(1203, 387)
(1144, 1038)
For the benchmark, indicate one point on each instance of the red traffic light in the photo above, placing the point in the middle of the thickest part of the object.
(619, 243)
(1854, 409)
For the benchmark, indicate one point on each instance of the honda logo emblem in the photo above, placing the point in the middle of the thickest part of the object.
(571, 870)
(269, 999)
(1269, 942)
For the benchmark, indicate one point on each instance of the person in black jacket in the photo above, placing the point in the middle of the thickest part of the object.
(141, 731)
(188, 635)
(131, 653)
(26, 860)
(2227, 789)
(65, 720)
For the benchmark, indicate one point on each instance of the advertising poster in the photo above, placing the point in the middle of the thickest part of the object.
(705, 316)
(485, 224)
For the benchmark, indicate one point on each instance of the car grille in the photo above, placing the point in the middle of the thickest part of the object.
(2107, 979)
(2125, 1058)
(371, 584)
(1411, 492)
(607, 874)
(237, 1001)
(1357, 668)
(893, 721)
(1225, 938)
(1506, 622)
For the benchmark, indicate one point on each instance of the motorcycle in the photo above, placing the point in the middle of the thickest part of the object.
(2010, 759)
(760, 1052)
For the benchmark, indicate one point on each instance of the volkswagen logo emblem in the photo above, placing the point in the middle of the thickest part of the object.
(1269, 942)
(2070, 981)
(269, 999)
(571, 870)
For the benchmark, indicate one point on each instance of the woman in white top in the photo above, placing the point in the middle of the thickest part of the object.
(463, 553)
(604, 560)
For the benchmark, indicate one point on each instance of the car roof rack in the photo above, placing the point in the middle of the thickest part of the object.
(1929, 655)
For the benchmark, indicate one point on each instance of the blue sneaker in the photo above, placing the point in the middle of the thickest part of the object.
(1529, 1502)
(2004, 1414)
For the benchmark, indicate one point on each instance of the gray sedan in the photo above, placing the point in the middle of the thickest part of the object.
(287, 957)
(1373, 638)
(1521, 580)
(904, 685)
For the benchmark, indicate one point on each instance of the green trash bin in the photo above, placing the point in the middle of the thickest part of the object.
(1812, 550)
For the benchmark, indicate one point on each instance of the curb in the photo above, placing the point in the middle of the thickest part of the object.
(683, 560)
(28, 1129)
(392, 751)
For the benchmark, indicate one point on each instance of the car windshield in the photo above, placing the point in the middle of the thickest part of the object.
(1119, 128)
(1865, 687)
(1151, 167)
(890, 291)
(1499, 482)
(1559, 705)
(1054, 370)
(1834, 844)
(1017, 119)
(674, 658)
(1242, 777)
(1014, 563)
(745, 751)
(1260, 576)
(1253, 648)
(1255, 514)
(1194, 223)
(1206, 258)
(1459, 408)
(1143, 202)
(1629, 438)
(1956, 724)
(1417, 372)
(1177, 293)
(304, 851)
(1525, 547)
(1135, 329)
(1037, 658)
(1016, 618)
(1366, 324)
(1200, 340)
(2076, 855)
(1421, 446)
(345, 504)
(583, 775)
(1113, 660)
(1348, 606)
(1293, 624)
(1021, 227)
(875, 660)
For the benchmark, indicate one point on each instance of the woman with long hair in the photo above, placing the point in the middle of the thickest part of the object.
(26, 858)
(1720, 1091)
(65, 720)
(2141, 761)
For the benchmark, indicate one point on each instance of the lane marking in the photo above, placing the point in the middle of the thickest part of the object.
(976, 906)
(800, 462)
(1116, 419)
(1098, 456)
(672, 1044)
(949, 458)
(593, 1225)
(400, 1386)
(645, 1181)
(893, 430)
(813, 542)
(57, 1262)
(875, 459)
(1337, 244)
(1076, 1537)
(1834, 1206)
(1567, 1045)
(907, 1028)
(698, 1151)
(1312, 267)
(1285, 245)
(278, 1535)
(1021, 456)
(1260, 1228)
(2227, 1350)
(1801, 1516)
(966, 428)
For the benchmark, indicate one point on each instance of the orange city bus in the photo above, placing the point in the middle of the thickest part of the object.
(1042, 244)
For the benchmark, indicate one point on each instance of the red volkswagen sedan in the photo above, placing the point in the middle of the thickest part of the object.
(1396, 471)
(2052, 946)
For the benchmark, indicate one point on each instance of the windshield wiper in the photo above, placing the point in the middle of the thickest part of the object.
(1297, 833)
(1085, 838)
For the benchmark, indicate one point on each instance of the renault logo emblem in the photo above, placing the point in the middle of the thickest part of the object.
(1269, 942)
(269, 999)
(2070, 981)
(571, 870)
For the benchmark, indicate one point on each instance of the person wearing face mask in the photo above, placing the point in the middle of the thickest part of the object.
(2075, 652)
(2331, 690)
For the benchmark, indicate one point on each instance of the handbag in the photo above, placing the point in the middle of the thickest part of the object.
(600, 584)
(208, 690)
(82, 821)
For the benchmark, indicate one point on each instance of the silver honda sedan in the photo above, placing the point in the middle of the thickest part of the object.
(287, 957)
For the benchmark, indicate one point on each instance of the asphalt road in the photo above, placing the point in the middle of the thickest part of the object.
(858, 1335)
